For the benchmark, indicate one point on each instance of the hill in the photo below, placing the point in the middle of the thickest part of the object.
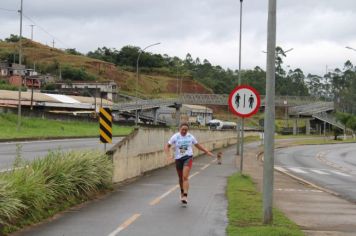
(48, 59)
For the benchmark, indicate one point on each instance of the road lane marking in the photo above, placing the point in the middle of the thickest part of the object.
(191, 176)
(340, 173)
(124, 225)
(158, 199)
(204, 167)
(319, 172)
(297, 170)
(298, 190)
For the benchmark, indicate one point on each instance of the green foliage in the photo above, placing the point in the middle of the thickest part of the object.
(73, 51)
(5, 86)
(215, 77)
(245, 211)
(13, 38)
(18, 162)
(338, 85)
(48, 185)
(42, 128)
(71, 73)
(348, 120)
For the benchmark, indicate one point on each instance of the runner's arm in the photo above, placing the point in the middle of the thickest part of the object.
(167, 150)
(201, 148)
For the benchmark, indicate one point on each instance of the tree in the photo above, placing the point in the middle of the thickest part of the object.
(72, 51)
(13, 38)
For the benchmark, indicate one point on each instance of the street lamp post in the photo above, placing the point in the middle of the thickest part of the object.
(137, 76)
(20, 63)
(239, 125)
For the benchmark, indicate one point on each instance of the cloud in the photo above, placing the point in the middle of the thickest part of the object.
(318, 30)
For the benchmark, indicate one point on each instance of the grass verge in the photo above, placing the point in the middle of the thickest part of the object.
(38, 190)
(43, 128)
(323, 141)
(245, 212)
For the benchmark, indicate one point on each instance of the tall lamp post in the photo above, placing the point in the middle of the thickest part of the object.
(20, 63)
(137, 76)
(239, 124)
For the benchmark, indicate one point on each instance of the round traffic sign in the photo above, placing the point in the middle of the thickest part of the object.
(244, 101)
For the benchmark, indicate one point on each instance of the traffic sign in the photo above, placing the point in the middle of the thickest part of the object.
(244, 101)
(105, 125)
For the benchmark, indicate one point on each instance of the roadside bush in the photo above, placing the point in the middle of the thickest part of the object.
(46, 186)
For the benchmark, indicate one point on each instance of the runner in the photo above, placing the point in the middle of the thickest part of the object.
(183, 142)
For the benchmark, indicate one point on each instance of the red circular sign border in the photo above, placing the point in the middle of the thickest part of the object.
(258, 101)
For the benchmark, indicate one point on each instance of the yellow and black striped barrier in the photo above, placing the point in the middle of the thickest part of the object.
(105, 121)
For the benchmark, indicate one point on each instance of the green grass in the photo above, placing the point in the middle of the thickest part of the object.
(44, 128)
(323, 141)
(40, 189)
(245, 212)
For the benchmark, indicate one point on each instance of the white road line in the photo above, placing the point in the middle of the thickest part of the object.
(204, 167)
(319, 172)
(297, 170)
(191, 176)
(298, 190)
(340, 173)
(125, 224)
(280, 168)
(158, 199)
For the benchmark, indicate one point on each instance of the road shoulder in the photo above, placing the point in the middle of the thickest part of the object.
(315, 211)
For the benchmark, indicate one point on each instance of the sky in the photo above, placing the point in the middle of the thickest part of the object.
(317, 30)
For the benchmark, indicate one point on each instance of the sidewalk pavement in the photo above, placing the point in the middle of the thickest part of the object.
(316, 212)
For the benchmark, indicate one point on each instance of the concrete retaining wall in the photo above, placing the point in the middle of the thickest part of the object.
(142, 150)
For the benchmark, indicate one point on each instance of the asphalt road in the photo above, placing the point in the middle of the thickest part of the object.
(150, 206)
(33, 149)
(332, 167)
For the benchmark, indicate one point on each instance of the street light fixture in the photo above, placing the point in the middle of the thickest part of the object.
(137, 76)
(284, 51)
(353, 49)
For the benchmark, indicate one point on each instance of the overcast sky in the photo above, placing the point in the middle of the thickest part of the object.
(318, 30)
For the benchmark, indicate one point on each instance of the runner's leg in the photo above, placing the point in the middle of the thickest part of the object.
(186, 171)
(179, 168)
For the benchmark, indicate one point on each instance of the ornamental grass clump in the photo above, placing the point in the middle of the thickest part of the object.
(37, 190)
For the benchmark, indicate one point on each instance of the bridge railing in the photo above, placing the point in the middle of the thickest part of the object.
(310, 109)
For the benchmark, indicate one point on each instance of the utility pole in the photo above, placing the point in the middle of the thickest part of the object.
(53, 43)
(32, 31)
(20, 63)
(239, 123)
(269, 115)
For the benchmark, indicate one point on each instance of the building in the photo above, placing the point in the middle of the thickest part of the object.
(15, 80)
(192, 114)
(107, 90)
(34, 82)
(17, 69)
(4, 69)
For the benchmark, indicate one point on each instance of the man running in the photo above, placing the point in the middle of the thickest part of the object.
(183, 142)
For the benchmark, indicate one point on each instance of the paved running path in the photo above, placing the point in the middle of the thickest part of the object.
(150, 206)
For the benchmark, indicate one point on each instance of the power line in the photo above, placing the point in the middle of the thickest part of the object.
(5, 9)
(44, 30)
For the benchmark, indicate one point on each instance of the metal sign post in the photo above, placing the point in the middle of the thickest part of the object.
(244, 101)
